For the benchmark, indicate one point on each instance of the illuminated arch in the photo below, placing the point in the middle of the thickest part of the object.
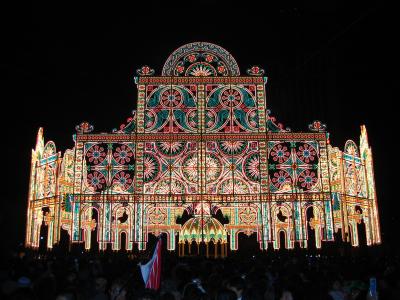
(118, 228)
(88, 224)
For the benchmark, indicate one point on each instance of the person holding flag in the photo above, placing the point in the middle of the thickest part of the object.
(151, 272)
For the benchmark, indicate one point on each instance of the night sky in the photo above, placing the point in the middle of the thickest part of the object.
(67, 63)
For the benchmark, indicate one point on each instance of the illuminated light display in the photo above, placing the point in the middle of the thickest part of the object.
(202, 143)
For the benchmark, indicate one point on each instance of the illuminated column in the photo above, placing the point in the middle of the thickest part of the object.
(105, 225)
(77, 190)
(234, 239)
(265, 226)
(368, 229)
(315, 224)
(201, 144)
(299, 224)
(171, 240)
(88, 225)
(354, 233)
(37, 222)
(139, 227)
(116, 243)
(139, 237)
(49, 221)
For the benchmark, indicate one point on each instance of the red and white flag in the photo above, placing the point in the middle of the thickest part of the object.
(151, 272)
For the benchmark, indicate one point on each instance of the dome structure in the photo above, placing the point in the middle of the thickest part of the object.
(204, 228)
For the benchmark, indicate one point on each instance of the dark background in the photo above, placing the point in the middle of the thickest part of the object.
(67, 62)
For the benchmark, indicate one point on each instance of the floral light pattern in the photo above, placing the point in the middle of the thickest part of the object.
(96, 180)
(307, 179)
(171, 98)
(306, 153)
(231, 97)
(280, 153)
(96, 154)
(280, 178)
(123, 154)
(123, 179)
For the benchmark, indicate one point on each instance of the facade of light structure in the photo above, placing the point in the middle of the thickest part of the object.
(202, 140)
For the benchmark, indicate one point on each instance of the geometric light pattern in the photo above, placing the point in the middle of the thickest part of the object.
(202, 141)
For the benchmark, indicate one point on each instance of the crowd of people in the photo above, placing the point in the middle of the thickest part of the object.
(279, 275)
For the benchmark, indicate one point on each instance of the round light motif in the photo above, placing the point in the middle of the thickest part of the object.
(280, 178)
(280, 153)
(96, 180)
(122, 179)
(123, 154)
(96, 155)
(231, 98)
(307, 179)
(171, 97)
(306, 153)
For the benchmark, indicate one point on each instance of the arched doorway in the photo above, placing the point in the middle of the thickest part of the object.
(123, 240)
(361, 228)
(247, 243)
(64, 239)
(43, 235)
(44, 231)
(311, 238)
(94, 244)
(282, 240)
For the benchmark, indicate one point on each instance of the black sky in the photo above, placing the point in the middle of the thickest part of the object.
(66, 63)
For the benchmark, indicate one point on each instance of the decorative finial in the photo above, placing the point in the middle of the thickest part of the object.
(84, 127)
(317, 126)
(255, 71)
(145, 71)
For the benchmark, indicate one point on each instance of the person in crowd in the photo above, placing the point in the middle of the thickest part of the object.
(118, 290)
(237, 285)
(337, 292)
(269, 276)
